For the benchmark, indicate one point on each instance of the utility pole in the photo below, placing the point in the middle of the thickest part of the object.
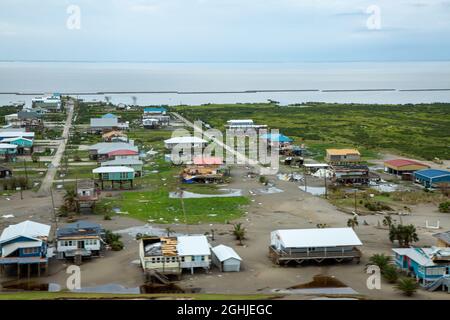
(355, 202)
(304, 177)
(184, 210)
(325, 179)
(26, 171)
(54, 214)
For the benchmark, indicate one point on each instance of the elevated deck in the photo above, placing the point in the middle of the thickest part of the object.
(283, 257)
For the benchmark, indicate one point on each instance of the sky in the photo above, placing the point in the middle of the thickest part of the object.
(225, 30)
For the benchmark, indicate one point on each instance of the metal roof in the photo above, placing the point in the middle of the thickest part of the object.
(192, 246)
(29, 229)
(423, 256)
(342, 152)
(182, 140)
(15, 134)
(10, 248)
(123, 152)
(80, 228)
(404, 162)
(326, 237)
(155, 109)
(207, 160)
(107, 147)
(112, 169)
(104, 122)
(277, 137)
(109, 116)
(122, 162)
(8, 146)
(224, 253)
(432, 173)
(444, 236)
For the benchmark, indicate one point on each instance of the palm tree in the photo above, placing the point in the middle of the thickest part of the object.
(387, 221)
(380, 260)
(390, 274)
(405, 235)
(352, 222)
(239, 232)
(70, 200)
(407, 285)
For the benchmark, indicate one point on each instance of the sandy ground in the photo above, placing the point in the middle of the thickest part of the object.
(290, 209)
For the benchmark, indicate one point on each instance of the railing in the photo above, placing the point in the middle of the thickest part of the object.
(355, 252)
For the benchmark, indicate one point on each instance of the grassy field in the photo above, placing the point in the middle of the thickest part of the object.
(151, 201)
(419, 131)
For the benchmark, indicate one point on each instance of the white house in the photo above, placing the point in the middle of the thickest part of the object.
(314, 244)
(194, 252)
(81, 238)
(185, 142)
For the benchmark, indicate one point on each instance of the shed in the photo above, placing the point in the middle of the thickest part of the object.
(226, 259)
(280, 138)
(431, 177)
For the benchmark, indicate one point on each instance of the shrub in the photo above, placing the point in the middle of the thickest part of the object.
(113, 240)
(380, 260)
(408, 286)
(390, 273)
(444, 207)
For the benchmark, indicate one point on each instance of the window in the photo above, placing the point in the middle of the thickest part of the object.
(123, 175)
(30, 250)
(436, 271)
(182, 259)
(203, 258)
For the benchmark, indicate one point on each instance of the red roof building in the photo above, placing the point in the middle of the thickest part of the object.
(122, 152)
(207, 161)
(403, 166)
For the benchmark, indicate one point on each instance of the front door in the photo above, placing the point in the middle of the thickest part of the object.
(80, 244)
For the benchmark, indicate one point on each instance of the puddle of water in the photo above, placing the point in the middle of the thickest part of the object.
(107, 288)
(147, 230)
(30, 286)
(192, 195)
(320, 285)
(321, 281)
(315, 191)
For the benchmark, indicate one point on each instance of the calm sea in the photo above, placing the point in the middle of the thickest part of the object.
(198, 83)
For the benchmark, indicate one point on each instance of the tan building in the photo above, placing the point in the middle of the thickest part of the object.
(443, 239)
(342, 156)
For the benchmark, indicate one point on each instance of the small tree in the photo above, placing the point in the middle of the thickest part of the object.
(113, 239)
(239, 232)
(387, 221)
(390, 273)
(70, 200)
(405, 235)
(353, 222)
(444, 207)
(407, 285)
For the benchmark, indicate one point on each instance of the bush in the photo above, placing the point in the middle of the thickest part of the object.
(263, 180)
(408, 286)
(377, 206)
(117, 246)
(444, 207)
(113, 240)
(390, 274)
(380, 260)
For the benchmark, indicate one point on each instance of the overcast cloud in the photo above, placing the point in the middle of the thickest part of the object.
(225, 30)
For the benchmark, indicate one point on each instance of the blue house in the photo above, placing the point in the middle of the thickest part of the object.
(24, 244)
(430, 177)
(428, 265)
(155, 111)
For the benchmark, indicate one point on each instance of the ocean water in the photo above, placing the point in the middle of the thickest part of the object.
(199, 83)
